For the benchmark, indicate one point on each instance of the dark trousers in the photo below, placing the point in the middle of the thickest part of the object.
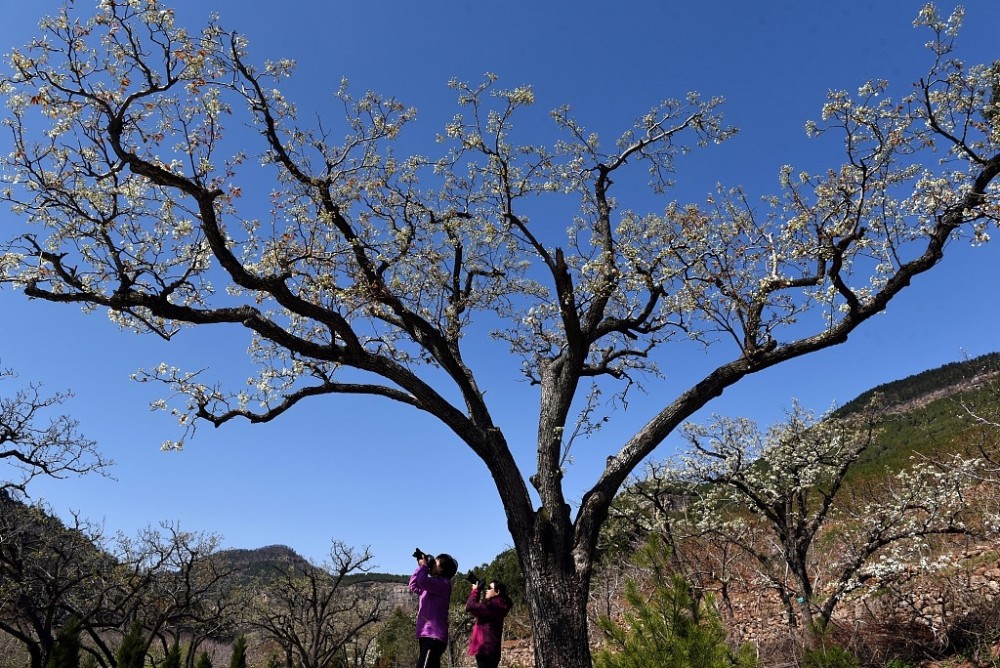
(488, 660)
(431, 651)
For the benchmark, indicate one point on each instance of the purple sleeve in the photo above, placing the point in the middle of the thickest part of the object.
(415, 579)
(422, 580)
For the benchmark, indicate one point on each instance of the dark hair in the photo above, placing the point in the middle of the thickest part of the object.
(501, 590)
(448, 565)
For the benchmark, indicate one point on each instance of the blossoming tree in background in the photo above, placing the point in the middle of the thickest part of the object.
(775, 497)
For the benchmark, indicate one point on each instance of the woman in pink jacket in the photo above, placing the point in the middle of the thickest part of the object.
(432, 581)
(487, 631)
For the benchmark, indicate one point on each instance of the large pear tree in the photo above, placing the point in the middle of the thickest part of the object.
(358, 270)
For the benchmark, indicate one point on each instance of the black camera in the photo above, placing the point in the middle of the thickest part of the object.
(420, 554)
(472, 578)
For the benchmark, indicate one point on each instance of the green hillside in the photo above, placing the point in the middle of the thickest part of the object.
(948, 379)
(927, 415)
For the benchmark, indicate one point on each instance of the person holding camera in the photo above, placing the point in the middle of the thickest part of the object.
(432, 581)
(489, 613)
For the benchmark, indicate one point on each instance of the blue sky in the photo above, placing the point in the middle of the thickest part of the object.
(374, 474)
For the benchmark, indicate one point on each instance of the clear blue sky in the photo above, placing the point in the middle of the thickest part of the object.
(372, 474)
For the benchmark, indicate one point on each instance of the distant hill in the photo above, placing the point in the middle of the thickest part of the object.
(256, 568)
(926, 386)
(263, 563)
(244, 566)
(33, 525)
(926, 415)
(264, 557)
(259, 565)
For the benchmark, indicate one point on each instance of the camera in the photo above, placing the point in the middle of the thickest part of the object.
(420, 554)
(472, 578)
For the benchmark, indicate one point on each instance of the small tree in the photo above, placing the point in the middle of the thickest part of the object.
(132, 649)
(66, 652)
(394, 643)
(239, 655)
(164, 579)
(829, 656)
(312, 614)
(204, 661)
(43, 565)
(173, 658)
(770, 495)
(664, 626)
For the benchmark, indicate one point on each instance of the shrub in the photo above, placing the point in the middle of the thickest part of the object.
(830, 656)
(173, 657)
(132, 650)
(667, 628)
(899, 663)
(66, 651)
(239, 656)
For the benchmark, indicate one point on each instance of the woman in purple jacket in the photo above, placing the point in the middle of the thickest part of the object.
(432, 580)
(487, 631)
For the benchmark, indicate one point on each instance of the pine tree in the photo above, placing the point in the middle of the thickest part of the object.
(239, 657)
(132, 651)
(395, 641)
(173, 658)
(204, 661)
(667, 627)
(66, 651)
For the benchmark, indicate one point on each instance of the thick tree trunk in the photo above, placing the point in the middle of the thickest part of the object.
(557, 598)
(35, 652)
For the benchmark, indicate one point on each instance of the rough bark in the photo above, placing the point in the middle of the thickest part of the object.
(557, 597)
